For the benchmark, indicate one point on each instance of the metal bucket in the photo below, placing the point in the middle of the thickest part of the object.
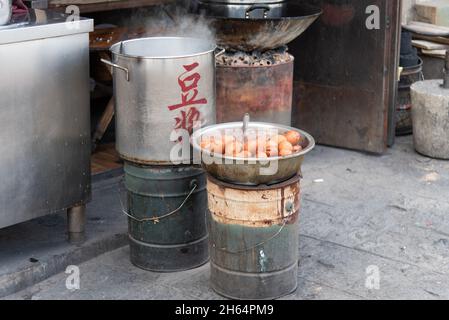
(254, 235)
(161, 84)
(167, 217)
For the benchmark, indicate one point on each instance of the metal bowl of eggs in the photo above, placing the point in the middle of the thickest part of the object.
(251, 153)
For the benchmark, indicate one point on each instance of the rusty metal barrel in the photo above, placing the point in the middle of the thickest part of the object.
(167, 217)
(265, 92)
(254, 239)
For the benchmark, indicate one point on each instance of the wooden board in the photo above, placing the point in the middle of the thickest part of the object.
(441, 40)
(429, 45)
(434, 12)
(108, 5)
(105, 159)
(78, 2)
(435, 53)
(427, 29)
(346, 75)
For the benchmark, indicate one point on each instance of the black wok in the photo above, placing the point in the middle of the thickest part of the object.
(247, 28)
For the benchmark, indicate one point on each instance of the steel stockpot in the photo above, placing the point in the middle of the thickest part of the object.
(161, 86)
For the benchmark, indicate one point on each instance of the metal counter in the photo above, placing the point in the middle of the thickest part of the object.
(44, 118)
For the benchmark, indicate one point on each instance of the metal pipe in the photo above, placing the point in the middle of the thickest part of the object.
(76, 221)
(446, 72)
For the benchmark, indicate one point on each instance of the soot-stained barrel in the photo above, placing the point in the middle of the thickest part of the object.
(254, 239)
(167, 217)
(265, 92)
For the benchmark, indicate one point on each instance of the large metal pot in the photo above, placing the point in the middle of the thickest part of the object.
(252, 171)
(162, 87)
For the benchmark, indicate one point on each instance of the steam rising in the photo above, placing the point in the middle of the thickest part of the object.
(175, 20)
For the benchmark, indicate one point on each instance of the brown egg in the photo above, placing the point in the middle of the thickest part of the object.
(214, 138)
(217, 146)
(233, 148)
(261, 145)
(285, 145)
(271, 149)
(250, 146)
(278, 138)
(262, 136)
(228, 139)
(285, 152)
(297, 149)
(244, 154)
(205, 143)
(293, 137)
(262, 155)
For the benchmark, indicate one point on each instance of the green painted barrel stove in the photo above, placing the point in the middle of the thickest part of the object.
(167, 217)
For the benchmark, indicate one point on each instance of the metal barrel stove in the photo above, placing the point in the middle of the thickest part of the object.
(167, 217)
(254, 239)
(263, 91)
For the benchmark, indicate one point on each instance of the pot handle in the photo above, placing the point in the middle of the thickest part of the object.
(219, 53)
(265, 9)
(113, 65)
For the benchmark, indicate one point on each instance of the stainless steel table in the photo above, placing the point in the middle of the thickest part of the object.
(45, 120)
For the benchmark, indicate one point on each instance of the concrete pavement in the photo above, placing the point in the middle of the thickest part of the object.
(363, 216)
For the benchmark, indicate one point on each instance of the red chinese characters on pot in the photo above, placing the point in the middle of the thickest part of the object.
(188, 112)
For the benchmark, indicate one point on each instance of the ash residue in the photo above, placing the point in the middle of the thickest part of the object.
(255, 58)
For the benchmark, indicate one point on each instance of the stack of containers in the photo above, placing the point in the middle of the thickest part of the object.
(163, 87)
(253, 217)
